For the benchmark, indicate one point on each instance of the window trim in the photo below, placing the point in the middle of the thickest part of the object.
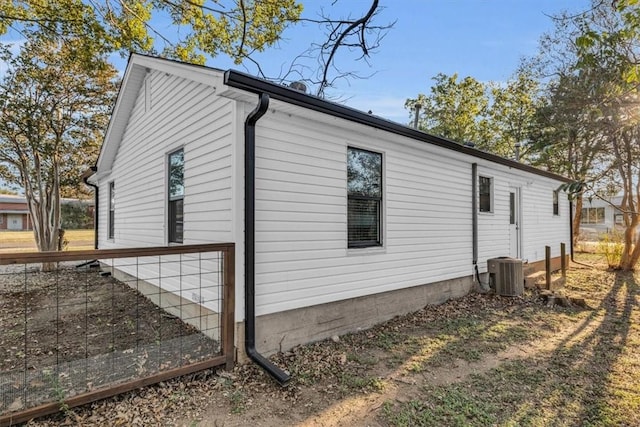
(111, 215)
(369, 244)
(556, 203)
(512, 208)
(172, 237)
(491, 187)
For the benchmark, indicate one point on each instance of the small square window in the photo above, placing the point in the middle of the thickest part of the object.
(485, 188)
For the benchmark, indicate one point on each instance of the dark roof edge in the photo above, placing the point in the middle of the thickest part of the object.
(253, 84)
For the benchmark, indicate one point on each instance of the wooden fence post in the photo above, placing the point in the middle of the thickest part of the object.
(547, 265)
(563, 259)
(229, 303)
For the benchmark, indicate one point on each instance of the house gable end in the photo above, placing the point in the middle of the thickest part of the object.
(138, 68)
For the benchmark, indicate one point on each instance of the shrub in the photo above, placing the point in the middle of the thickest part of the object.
(611, 246)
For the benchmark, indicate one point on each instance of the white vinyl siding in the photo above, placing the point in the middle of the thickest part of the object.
(493, 227)
(540, 226)
(183, 114)
(301, 215)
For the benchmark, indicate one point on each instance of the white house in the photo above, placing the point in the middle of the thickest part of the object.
(600, 216)
(342, 219)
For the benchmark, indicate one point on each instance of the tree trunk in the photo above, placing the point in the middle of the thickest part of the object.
(577, 218)
(631, 252)
(624, 149)
(44, 207)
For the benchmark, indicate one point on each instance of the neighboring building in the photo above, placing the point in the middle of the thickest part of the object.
(14, 213)
(357, 219)
(600, 216)
(15, 216)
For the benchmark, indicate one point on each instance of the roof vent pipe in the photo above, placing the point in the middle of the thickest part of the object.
(299, 86)
(516, 154)
(417, 116)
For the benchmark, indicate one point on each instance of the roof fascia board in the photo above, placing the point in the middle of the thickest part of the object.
(115, 112)
(200, 74)
(252, 84)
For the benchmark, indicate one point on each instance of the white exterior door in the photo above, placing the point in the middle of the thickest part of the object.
(14, 222)
(515, 230)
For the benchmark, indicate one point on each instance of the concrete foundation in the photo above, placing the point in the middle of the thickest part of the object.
(283, 331)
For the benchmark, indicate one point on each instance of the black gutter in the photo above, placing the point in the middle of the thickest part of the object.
(85, 178)
(252, 84)
(250, 240)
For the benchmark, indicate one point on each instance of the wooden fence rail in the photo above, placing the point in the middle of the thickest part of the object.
(166, 312)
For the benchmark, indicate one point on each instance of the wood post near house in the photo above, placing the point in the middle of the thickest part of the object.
(229, 301)
(563, 259)
(547, 265)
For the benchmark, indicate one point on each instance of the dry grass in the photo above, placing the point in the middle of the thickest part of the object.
(480, 360)
(22, 241)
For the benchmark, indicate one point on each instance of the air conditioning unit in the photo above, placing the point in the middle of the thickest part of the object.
(506, 276)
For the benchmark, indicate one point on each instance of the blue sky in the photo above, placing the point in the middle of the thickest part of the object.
(484, 39)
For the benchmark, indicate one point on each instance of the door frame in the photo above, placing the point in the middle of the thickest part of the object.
(515, 204)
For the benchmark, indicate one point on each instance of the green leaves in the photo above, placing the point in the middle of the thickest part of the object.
(184, 29)
(573, 189)
(493, 117)
(455, 109)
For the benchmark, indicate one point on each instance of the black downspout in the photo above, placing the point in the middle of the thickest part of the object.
(474, 217)
(95, 205)
(250, 240)
(571, 229)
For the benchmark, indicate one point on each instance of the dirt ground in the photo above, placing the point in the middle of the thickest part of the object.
(479, 360)
(73, 330)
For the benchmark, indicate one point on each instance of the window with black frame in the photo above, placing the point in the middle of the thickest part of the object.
(556, 203)
(112, 210)
(364, 189)
(176, 196)
(484, 189)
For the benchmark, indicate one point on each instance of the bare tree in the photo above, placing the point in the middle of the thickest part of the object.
(345, 40)
(241, 29)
